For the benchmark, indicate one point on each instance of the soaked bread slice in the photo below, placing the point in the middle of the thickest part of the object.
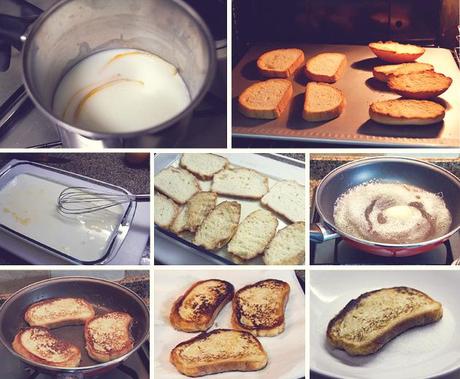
(220, 350)
(322, 102)
(383, 73)
(287, 198)
(165, 211)
(287, 247)
(326, 67)
(176, 183)
(266, 100)
(394, 52)
(196, 310)
(204, 166)
(240, 182)
(419, 85)
(280, 63)
(367, 323)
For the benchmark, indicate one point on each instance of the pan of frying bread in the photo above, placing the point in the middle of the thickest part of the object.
(73, 326)
(232, 208)
(389, 206)
(384, 94)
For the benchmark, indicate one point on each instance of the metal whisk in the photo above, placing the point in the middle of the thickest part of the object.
(81, 200)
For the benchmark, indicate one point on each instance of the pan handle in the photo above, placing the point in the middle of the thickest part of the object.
(12, 29)
(320, 233)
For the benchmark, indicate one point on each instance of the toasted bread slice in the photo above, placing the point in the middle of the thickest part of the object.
(326, 67)
(219, 227)
(287, 198)
(109, 336)
(220, 350)
(394, 52)
(240, 182)
(165, 211)
(253, 234)
(287, 247)
(39, 345)
(280, 63)
(266, 100)
(383, 73)
(367, 323)
(259, 308)
(204, 166)
(198, 208)
(322, 102)
(179, 224)
(419, 85)
(176, 183)
(60, 311)
(406, 112)
(198, 307)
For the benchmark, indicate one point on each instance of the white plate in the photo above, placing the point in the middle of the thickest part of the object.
(422, 352)
(286, 352)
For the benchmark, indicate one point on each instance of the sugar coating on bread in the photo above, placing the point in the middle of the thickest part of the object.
(326, 67)
(406, 112)
(165, 211)
(287, 247)
(287, 198)
(240, 182)
(204, 166)
(280, 62)
(419, 85)
(177, 184)
(383, 73)
(253, 234)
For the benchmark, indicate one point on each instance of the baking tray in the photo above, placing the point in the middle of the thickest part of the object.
(353, 127)
(66, 178)
(273, 166)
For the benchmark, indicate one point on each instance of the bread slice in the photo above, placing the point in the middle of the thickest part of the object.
(322, 102)
(253, 234)
(287, 247)
(240, 182)
(266, 100)
(259, 308)
(179, 224)
(198, 307)
(280, 63)
(60, 311)
(219, 227)
(367, 323)
(326, 67)
(165, 211)
(394, 52)
(204, 166)
(383, 73)
(108, 336)
(39, 345)
(287, 198)
(406, 112)
(176, 183)
(220, 350)
(419, 85)
(198, 208)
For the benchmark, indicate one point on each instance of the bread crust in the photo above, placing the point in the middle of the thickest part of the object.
(397, 84)
(326, 78)
(394, 56)
(324, 115)
(206, 314)
(275, 73)
(198, 174)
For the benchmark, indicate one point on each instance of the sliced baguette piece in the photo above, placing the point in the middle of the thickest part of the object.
(39, 345)
(367, 323)
(198, 208)
(266, 100)
(406, 112)
(253, 234)
(419, 85)
(219, 227)
(240, 182)
(280, 63)
(165, 211)
(322, 102)
(383, 73)
(287, 247)
(220, 350)
(59, 311)
(326, 67)
(198, 307)
(176, 183)
(204, 166)
(287, 198)
(259, 308)
(394, 52)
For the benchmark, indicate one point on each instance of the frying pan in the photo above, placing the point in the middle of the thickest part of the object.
(103, 294)
(387, 170)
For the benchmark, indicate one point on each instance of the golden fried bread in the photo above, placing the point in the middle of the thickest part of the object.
(383, 73)
(419, 85)
(38, 344)
(220, 350)
(367, 323)
(280, 63)
(56, 312)
(259, 308)
(109, 336)
(197, 309)
(394, 52)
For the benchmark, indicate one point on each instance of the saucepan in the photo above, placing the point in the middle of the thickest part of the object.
(390, 170)
(103, 294)
(72, 30)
